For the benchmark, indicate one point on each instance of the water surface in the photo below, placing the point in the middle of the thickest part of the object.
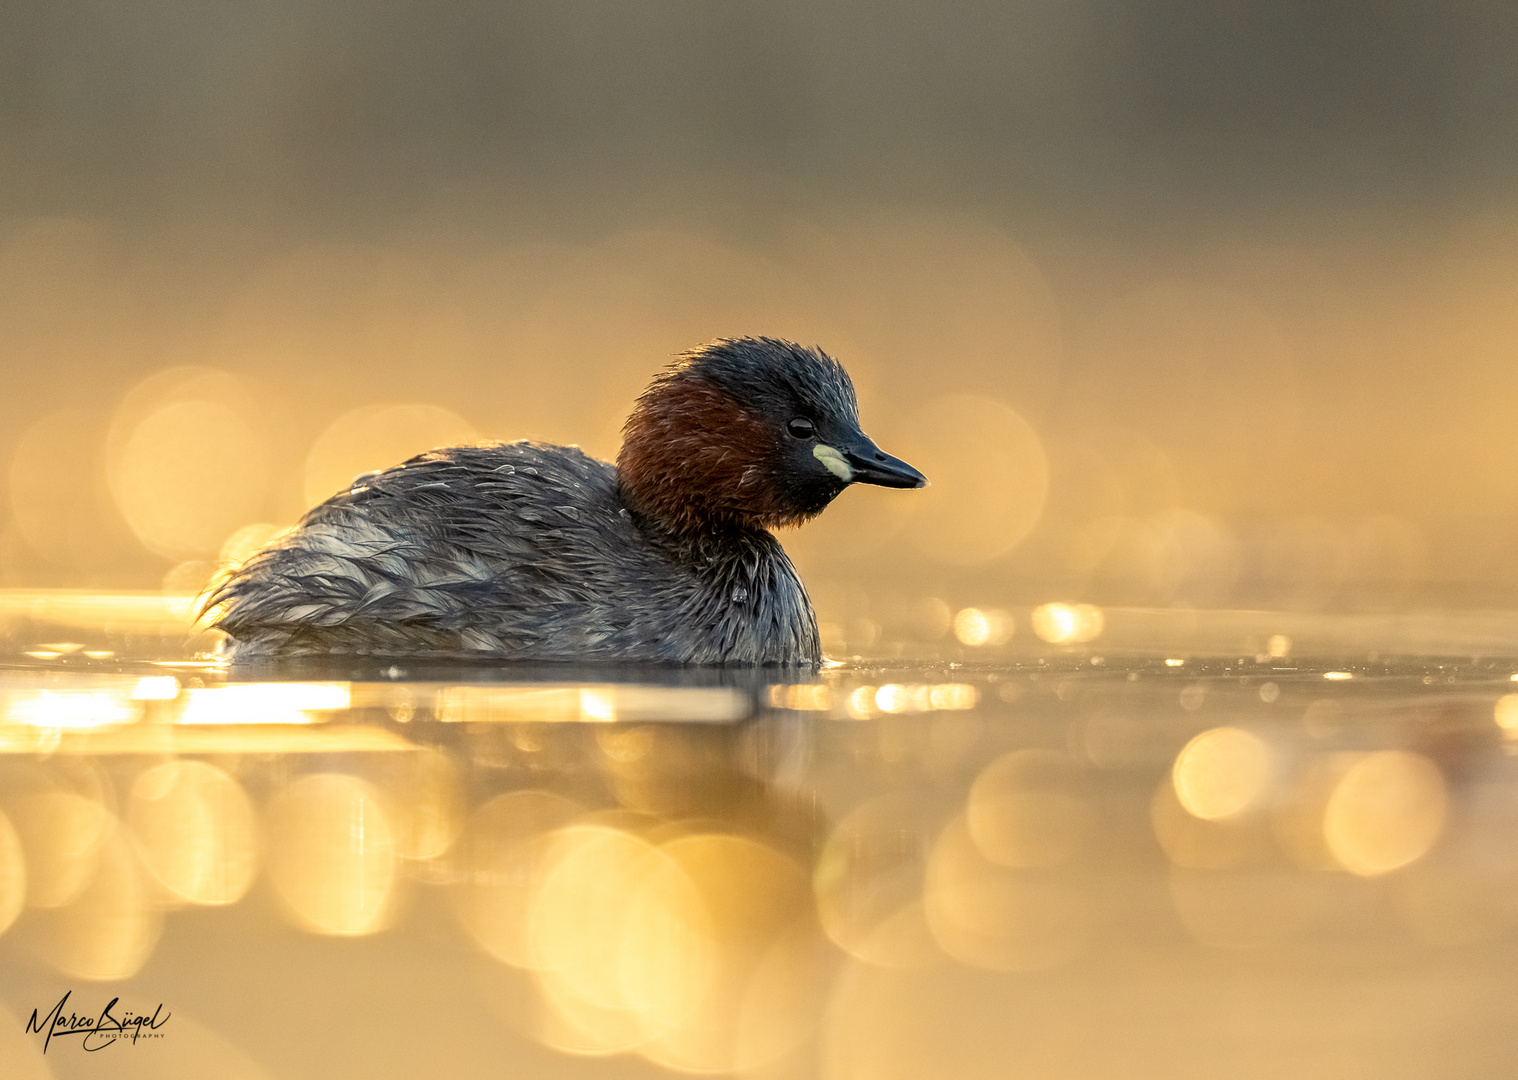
(1195, 844)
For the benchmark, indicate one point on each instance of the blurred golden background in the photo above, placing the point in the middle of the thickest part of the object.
(1175, 304)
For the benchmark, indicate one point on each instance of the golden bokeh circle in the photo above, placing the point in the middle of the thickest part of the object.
(195, 830)
(1385, 812)
(108, 931)
(617, 927)
(1024, 810)
(998, 918)
(1221, 773)
(868, 883)
(187, 460)
(61, 833)
(502, 854)
(755, 898)
(187, 475)
(332, 854)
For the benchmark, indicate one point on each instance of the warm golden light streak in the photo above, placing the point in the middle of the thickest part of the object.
(203, 739)
(865, 701)
(804, 697)
(91, 609)
(264, 703)
(1068, 624)
(598, 705)
(69, 709)
(81, 609)
(592, 704)
(953, 696)
(156, 688)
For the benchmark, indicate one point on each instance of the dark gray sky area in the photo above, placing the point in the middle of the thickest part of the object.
(353, 112)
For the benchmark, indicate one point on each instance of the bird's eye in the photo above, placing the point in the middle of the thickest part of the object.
(801, 428)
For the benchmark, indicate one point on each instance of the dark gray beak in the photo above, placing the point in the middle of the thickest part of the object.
(872, 465)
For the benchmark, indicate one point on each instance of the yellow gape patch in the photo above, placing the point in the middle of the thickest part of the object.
(834, 462)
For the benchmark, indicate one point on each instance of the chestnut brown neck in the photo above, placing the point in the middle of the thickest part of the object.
(699, 464)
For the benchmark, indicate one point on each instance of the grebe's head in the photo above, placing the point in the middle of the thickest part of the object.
(749, 432)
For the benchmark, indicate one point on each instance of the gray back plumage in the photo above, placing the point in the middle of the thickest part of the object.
(515, 550)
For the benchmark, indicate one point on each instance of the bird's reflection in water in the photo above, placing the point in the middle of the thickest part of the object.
(848, 876)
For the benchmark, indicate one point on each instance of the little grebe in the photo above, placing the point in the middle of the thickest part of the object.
(537, 552)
